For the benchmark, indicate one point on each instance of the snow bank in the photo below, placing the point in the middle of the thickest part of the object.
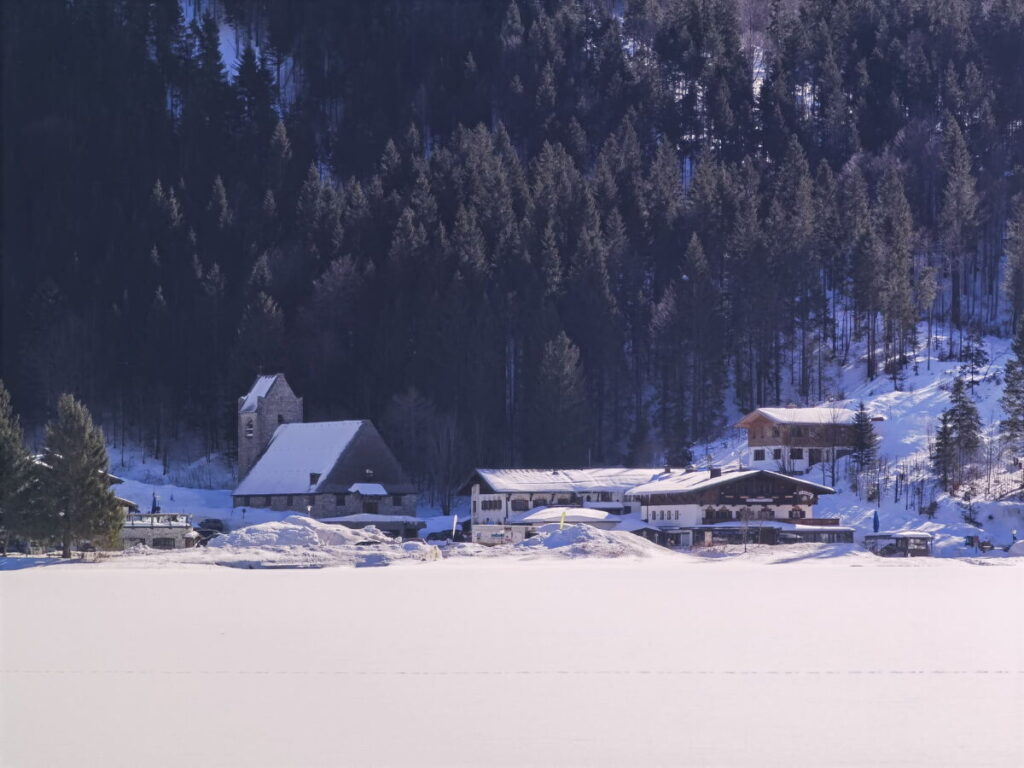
(587, 541)
(297, 531)
(1017, 550)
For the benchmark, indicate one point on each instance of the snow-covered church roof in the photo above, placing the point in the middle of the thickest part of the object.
(325, 457)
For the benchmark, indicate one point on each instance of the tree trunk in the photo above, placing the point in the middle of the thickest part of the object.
(66, 554)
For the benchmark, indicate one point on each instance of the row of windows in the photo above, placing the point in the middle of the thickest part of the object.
(291, 502)
(662, 514)
(794, 453)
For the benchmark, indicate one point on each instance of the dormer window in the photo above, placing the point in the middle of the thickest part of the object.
(314, 478)
(369, 474)
(250, 428)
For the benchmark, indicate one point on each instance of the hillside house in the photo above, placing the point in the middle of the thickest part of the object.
(341, 471)
(792, 440)
(665, 505)
(497, 496)
(683, 503)
(159, 530)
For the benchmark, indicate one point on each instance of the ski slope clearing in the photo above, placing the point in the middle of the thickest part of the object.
(483, 662)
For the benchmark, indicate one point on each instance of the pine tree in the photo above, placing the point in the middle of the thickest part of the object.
(1014, 275)
(944, 450)
(958, 210)
(1012, 425)
(865, 441)
(558, 407)
(14, 468)
(965, 425)
(73, 491)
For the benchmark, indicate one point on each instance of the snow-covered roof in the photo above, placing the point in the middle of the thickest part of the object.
(259, 389)
(816, 415)
(634, 523)
(607, 479)
(368, 489)
(540, 515)
(781, 525)
(900, 535)
(686, 482)
(296, 453)
(365, 517)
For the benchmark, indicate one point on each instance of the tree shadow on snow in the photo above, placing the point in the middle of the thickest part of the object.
(826, 552)
(20, 563)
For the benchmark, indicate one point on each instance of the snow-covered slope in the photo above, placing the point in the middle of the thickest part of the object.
(911, 416)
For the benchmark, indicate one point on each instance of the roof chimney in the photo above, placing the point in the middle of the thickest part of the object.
(716, 471)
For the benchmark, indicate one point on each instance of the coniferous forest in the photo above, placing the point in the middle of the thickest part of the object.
(541, 232)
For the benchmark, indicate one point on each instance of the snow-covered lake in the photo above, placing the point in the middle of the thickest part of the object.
(848, 661)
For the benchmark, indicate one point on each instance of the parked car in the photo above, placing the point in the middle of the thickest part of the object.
(212, 524)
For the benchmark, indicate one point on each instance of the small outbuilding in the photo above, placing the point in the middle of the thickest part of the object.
(900, 543)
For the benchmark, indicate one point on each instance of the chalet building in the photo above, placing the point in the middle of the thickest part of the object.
(497, 496)
(159, 530)
(341, 471)
(670, 507)
(792, 440)
(708, 506)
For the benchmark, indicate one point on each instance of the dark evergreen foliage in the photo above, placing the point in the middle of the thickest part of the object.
(454, 198)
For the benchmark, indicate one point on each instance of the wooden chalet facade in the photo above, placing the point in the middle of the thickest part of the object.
(792, 440)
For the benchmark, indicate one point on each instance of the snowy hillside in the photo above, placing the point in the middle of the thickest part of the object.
(911, 415)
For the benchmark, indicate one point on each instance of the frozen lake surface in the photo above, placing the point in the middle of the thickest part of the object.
(848, 661)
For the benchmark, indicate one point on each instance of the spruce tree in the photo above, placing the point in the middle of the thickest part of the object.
(944, 450)
(865, 441)
(1012, 425)
(14, 468)
(73, 490)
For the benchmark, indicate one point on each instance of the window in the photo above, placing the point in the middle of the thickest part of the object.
(163, 543)
(540, 501)
(814, 456)
(775, 431)
(369, 507)
(796, 453)
(798, 431)
(340, 499)
(490, 504)
(759, 454)
(314, 478)
(520, 505)
(250, 428)
(396, 500)
(243, 501)
(280, 419)
(563, 500)
(796, 514)
(776, 454)
(677, 514)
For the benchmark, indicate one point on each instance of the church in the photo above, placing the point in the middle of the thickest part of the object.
(337, 471)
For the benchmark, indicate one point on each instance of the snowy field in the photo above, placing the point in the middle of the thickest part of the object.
(837, 659)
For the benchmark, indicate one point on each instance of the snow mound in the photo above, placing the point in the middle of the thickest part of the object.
(1017, 550)
(587, 541)
(297, 531)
